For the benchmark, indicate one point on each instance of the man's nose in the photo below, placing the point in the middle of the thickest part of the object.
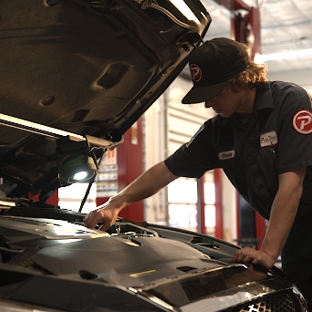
(210, 103)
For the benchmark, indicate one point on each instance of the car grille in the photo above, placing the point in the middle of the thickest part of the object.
(285, 301)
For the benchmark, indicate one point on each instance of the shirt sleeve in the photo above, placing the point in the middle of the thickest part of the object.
(197, 156)
(294, 149)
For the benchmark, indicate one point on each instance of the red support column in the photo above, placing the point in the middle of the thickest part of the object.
(218, 204)
(130, 166)
(255, 32)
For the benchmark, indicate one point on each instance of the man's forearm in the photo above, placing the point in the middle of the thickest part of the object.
(283, 212)
(282, 217)
(144, 186)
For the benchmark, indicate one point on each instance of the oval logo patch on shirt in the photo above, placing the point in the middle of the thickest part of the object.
(302, 122)
(226, 155)
(268, 138)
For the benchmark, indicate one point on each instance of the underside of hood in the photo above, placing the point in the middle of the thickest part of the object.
(91, 68)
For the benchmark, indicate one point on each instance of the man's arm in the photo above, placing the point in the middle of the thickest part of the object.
(143, 187)
(283, 213)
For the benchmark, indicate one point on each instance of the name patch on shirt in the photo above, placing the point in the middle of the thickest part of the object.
(268, 138)
(302, 122)
(226, 155)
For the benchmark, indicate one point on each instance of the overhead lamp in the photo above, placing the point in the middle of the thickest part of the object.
(185, 10)
(78, 168)
(286, 55)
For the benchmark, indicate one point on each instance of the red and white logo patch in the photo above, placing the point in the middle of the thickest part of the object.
(196, 72)
(302, 122)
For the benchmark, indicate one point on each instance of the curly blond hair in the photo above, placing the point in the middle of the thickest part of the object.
(254, 75)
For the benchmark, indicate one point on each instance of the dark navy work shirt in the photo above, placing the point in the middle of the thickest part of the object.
(276, 138)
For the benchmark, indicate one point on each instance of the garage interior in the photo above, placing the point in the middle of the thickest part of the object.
(278, 33)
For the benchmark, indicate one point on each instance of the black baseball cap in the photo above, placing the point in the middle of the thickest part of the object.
(212, 65)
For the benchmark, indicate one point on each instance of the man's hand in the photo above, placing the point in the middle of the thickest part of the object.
(283, 213)
(146, 185)
(105, 214)
(249, 256)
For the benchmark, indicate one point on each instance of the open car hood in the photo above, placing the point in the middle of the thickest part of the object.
(88, 68)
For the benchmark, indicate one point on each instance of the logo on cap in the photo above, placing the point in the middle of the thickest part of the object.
(196, 72)
(302, 122)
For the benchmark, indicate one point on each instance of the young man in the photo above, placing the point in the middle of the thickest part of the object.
(261, 138)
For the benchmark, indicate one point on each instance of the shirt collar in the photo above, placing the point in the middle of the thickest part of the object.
(263, 101)
(264, 98)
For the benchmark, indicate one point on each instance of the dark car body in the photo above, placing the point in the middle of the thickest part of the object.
(54, 265)
(74, 76)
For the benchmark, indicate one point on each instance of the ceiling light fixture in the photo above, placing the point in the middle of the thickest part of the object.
(283, 55)
(185, 10)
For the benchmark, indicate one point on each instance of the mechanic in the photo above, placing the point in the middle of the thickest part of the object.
(261, 138)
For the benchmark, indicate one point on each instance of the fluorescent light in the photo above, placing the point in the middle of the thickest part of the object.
(283, 55)
(185, 10)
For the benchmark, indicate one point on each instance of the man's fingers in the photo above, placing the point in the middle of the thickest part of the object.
(87, 216)
(242, 259)
(104, 227)
(104, 214)
(245, 255)
(250, 256)
(90, 220)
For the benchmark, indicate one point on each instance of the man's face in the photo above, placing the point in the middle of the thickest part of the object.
(227, 103)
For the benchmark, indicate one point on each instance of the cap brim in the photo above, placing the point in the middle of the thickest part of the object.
(202, 94)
